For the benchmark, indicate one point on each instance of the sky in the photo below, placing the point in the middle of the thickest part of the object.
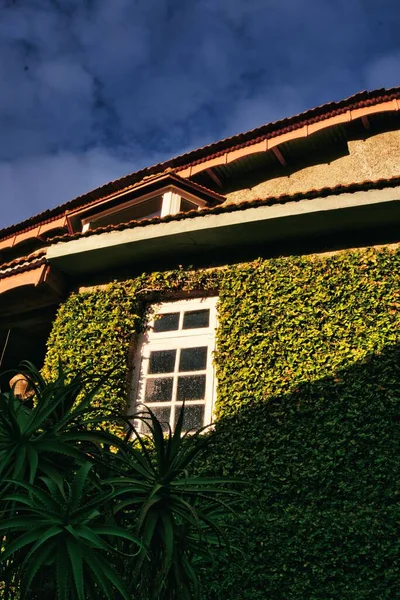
(91, 90)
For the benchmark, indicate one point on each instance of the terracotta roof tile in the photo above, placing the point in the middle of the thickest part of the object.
(270, 130)
(24, 263)
(217, 197)
(233, 207)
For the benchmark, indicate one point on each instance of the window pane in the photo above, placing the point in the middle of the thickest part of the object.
(167, 322)
(193, 359)
(186, 205)
(191, 387)
(193, 319)
(162, 361)
(163, 414)
(142, 210)
(159, 389)
(193, 417)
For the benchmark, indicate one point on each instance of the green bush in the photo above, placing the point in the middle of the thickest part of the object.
(308, 405)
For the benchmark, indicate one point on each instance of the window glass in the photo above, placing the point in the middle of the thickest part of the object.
(162, 361)
(193, 319)
(137, 212)
(193, 359)
(159, 390)
(191, 387)
(176, 362)
(193, 417)
(166, 322)
(186, 205)
(163, 414)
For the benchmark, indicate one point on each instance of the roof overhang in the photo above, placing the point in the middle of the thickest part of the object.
(33, 277)
(272, 143)
(40, 232)
(150, 186)
(267, 138)
(262, 225)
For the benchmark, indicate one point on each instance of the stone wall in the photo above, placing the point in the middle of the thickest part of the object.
(372, 158)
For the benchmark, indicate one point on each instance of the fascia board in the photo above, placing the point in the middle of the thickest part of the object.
(216, 228)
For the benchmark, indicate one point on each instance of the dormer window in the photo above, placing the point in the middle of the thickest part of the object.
(136, 211)
(155, 197)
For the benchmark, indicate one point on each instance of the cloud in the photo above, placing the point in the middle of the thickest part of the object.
(120, 84)
(49, 180)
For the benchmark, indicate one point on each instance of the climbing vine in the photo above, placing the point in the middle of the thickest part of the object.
(307, 361)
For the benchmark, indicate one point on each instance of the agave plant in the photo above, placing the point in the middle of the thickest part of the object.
(177, 516)
(52, 432)
(87, 515)
(62, 540)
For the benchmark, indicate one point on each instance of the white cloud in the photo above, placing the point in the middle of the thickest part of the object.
(92, 90)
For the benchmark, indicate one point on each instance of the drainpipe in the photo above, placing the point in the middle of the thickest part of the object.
(4, 349)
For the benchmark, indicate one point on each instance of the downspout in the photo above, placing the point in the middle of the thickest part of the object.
(4, 349)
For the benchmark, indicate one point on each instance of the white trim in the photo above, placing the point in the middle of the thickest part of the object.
(179, 339)
(171, 204)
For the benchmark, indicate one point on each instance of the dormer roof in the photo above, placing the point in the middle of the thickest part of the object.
(266, 138)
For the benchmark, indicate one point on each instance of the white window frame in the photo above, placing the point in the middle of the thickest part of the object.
(170, 205)
(179, 339)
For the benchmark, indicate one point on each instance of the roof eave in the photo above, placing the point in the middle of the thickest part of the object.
(187, 165)
(230, 231)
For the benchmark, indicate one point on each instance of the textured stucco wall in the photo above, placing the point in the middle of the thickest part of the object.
(370, 159)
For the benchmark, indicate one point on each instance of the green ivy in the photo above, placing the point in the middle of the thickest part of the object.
(307, 363)
(94, 330)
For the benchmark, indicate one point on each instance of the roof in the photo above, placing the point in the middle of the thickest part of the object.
(233, 207)
(25, 263)
(195, 157)
(38, 258)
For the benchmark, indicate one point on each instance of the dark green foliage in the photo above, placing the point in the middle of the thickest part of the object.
(93, 334)
(324, 467)
(308, 413)
(61, 532)
(88, 515)
(177, 516)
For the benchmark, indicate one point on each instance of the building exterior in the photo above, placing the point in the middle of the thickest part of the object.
(256, 279)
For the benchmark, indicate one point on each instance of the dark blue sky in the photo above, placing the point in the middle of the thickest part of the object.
(94, 89)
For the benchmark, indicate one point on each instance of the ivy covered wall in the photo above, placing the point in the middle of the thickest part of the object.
(308, 412)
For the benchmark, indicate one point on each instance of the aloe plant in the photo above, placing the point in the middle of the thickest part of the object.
(178, 516)
(52, 432)
(65, 533)
(88, 515)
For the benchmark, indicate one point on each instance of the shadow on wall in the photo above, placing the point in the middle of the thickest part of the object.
(322, 509)
(300, 153)
(20, 344)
